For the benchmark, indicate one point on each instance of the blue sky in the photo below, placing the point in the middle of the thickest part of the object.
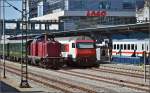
(11, 13)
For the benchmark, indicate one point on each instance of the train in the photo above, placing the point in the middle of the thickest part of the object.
(50, 52)
(131, 48)
(79, 51)
(41, 50)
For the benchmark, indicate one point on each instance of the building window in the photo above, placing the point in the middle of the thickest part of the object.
(128, 4)
(77, 4)
(104, 5)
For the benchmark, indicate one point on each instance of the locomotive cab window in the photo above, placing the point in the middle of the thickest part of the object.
(73, 45)
(85, 45)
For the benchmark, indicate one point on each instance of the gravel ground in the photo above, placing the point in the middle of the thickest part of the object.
(14, 81)
(128, 66)
(120, 77)
(96, 85)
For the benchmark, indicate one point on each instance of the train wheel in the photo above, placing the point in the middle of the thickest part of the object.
(96, 65)
(42, 63)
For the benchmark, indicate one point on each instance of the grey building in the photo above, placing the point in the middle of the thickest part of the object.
(78, 14)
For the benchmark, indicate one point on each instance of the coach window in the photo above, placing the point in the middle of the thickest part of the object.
(125, 47)
(142, 46)
(121, 46)
(114, 46)
(136, 47)
(117, 46)
(73, 45)
(128, 46)
(132, 46)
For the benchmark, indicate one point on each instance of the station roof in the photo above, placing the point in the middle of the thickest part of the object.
(109, 29)
(101, 29)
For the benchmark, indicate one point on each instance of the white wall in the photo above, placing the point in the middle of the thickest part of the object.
(143, 14)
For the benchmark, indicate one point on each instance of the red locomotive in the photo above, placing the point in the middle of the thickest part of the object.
(79, 51)
(45, 52)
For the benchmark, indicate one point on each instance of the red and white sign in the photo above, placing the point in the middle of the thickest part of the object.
(96, 13)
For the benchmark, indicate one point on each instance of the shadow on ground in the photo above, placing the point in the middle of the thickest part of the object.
(5, 88)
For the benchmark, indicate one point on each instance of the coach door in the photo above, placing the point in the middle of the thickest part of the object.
(72, 50)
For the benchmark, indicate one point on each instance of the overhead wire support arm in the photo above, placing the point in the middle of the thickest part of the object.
(10, 5)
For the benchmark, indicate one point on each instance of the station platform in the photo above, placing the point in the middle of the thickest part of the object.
(11, 84)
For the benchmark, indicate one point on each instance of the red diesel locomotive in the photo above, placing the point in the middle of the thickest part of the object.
(45, 52)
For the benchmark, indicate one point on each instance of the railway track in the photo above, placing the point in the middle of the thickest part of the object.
(124, 69)
(119, 72)
(53, 83)
(132, 85)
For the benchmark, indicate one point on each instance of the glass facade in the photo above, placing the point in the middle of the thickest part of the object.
(79, 5)
(128, 4)
(79, 22)
(50, 6)
(73, 23)
(84, 5)
(33, 8)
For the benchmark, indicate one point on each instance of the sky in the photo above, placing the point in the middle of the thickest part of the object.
(11, 13)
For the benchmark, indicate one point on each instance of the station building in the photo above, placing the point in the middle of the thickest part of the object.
(80, 14)
(143, 14)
